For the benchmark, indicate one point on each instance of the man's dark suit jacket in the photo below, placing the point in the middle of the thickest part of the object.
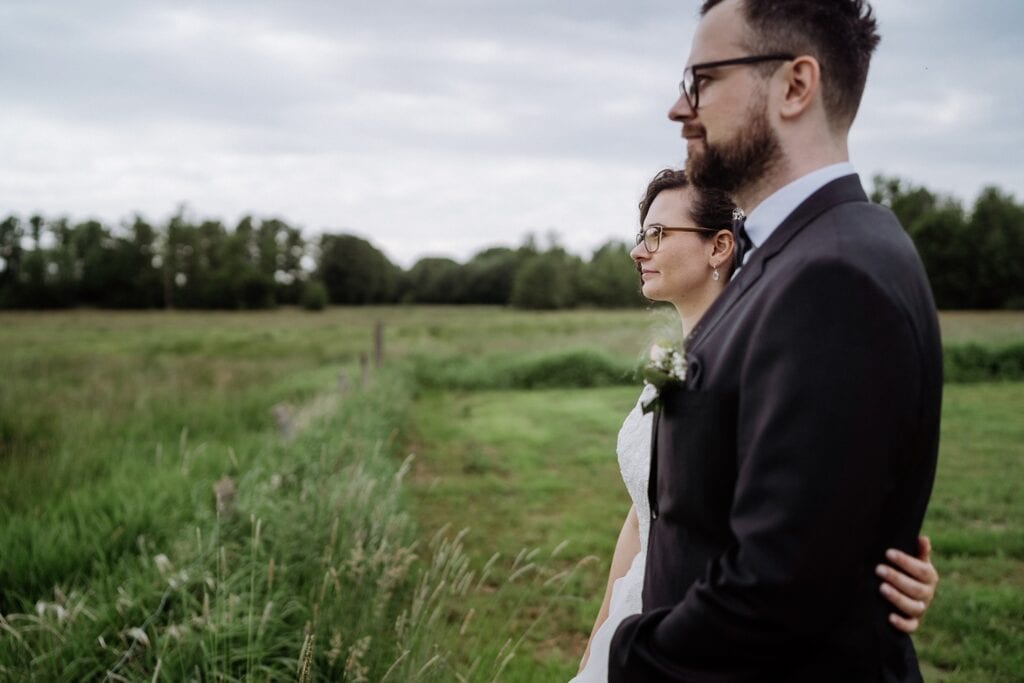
(803, 445)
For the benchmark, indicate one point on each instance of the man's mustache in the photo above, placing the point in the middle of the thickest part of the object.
(695, 131)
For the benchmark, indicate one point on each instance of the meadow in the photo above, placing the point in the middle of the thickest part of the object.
(232, 496)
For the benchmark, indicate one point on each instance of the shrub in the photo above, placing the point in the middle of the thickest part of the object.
(314, 296)
(570, 369)
(567, 369)
(975, 363)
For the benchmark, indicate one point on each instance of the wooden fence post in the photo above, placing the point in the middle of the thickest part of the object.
(378, 344)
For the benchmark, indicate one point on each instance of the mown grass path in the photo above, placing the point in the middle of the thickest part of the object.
(525, 469)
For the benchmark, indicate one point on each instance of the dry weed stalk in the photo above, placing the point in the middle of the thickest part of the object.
(306, 658)
(355, 670)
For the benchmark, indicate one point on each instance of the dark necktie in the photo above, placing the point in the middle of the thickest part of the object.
(739, 233)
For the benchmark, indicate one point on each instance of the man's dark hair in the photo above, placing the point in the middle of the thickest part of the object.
(840, 34)
(710, 208)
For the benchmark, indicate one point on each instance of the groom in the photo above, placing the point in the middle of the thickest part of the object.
(805, 441)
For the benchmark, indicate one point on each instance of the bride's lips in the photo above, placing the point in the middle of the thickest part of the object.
(647, 272)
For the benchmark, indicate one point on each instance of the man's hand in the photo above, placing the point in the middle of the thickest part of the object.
(912, 589)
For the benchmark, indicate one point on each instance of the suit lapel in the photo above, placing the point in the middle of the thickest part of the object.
(839, 191)
(652, 474)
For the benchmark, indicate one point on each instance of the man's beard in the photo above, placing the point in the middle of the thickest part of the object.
(739, 163)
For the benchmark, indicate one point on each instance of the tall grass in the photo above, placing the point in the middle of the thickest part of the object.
(146, 572)
(119, 561)
(311, 568)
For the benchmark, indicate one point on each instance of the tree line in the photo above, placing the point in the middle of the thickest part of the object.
(974, 259)
(191, 264)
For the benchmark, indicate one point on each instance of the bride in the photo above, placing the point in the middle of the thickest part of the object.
(688, 266)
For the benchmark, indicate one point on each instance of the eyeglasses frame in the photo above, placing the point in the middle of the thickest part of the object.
(641, 235)
(694, 101)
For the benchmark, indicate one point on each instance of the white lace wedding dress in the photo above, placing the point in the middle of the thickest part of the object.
(634, 453)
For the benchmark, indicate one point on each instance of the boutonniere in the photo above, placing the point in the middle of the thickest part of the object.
(666, 367)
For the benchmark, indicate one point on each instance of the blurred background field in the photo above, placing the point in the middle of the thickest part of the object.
(333, 550)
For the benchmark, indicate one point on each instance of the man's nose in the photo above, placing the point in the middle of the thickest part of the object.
(681, 110)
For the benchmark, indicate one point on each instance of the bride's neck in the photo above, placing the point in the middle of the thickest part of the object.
(690, 312)
(692, 308)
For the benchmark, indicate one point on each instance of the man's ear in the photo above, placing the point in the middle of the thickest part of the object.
(801, 84)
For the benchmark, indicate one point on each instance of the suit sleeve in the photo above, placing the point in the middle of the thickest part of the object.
(825, 395)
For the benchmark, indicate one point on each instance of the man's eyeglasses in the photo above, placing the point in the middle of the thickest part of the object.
(690, 85)
(651, 235)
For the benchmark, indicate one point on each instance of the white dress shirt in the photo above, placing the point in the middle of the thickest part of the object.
(769, 214)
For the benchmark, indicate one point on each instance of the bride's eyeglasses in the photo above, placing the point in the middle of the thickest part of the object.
(651, 235)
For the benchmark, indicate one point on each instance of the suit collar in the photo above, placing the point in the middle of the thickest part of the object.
(772, 211)
(839, 191)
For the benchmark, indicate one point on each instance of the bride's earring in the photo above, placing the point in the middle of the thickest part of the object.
(715, 275)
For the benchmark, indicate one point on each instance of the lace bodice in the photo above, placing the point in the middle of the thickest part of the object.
(634, 454)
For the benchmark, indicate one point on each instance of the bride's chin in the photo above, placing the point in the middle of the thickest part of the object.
(652, 294)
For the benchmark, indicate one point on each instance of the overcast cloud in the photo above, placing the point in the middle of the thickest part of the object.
(439, 127)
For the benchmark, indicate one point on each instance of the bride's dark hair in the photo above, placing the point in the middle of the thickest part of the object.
(710, 209)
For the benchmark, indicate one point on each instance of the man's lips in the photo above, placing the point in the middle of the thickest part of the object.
(693, 133)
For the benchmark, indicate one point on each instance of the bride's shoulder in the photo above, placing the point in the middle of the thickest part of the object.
(647, 393)
(638, 416)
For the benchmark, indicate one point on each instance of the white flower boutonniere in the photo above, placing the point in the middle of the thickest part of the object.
(666, 367)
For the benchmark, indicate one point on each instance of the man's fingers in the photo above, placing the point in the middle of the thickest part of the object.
(921, 570)
(904, 584)
(924, 548)
(905, 625)
(912, 607)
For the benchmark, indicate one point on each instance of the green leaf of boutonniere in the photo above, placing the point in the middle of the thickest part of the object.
(649, 406)
(659, 378)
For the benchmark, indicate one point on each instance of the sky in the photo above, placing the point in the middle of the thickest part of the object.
(440, 127)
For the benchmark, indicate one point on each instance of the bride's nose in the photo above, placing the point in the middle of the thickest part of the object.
(639, 253)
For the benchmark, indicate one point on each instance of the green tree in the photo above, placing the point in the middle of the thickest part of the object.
(997, 233)
(356, 272)
(546, 281)
(93, 246)
(489, 276)
(236, 279)
(938, 228)
(280, 249)
(436, 281)
(191, 254)
(35, 276)
(139, 254)
(65, 262)
(11, 234)
(609, 279)
(943, 240)
(909, 202)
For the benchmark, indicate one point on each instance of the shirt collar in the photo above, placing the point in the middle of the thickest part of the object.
(770, 213)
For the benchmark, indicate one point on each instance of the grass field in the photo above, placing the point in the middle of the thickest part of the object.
(114, 428)
(537, 468)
